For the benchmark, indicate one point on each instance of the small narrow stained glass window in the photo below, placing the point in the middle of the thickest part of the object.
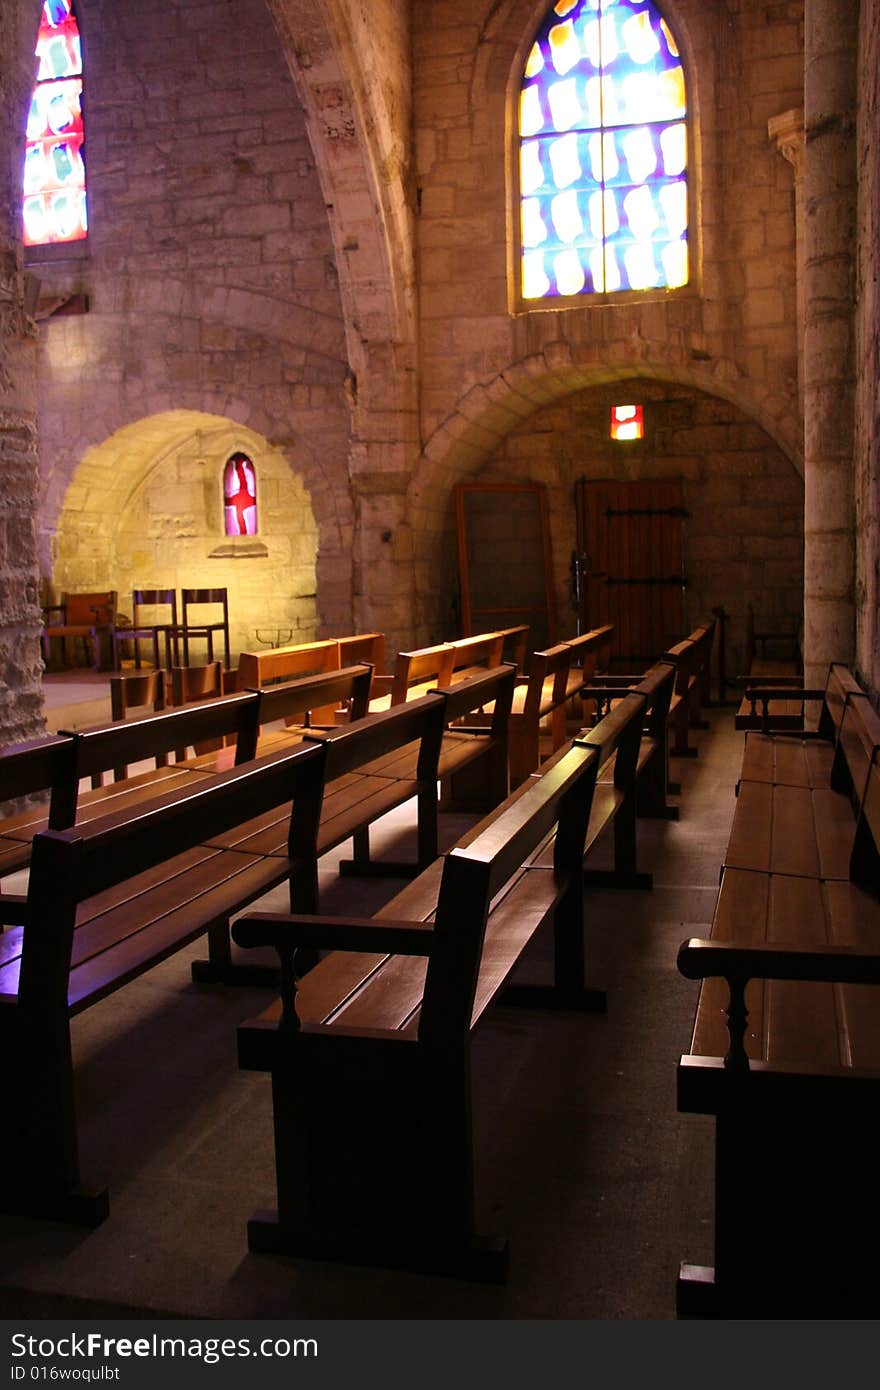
(54, 194)
(240, 496)
(627, 422)
(603, 152)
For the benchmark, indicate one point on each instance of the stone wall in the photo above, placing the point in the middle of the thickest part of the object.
(867, 425)
(743, 536)
(21, 715)
(211, 284)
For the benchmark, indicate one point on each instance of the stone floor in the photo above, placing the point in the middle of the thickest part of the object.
(581, 1156)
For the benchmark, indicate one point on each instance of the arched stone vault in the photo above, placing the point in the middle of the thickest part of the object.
(486, 414)
(113, 469)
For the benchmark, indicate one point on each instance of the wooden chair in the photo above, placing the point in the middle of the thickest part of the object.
(90, 617)
(188, 628)
(139, 630)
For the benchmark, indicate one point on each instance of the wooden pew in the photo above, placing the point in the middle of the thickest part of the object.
(106, 901)
(105, 748)
(691, 658)
(785, 1055)
(406, 765)
(652, 769)
(375, 1040)
(442, 665)
(774, 659)
(804, 824)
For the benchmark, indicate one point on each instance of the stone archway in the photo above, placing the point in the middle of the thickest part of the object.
(482, 435)
(144, 510)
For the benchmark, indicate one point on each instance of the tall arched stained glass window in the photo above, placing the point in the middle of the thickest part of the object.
(240, 496)
(603, 153)
(54, 204)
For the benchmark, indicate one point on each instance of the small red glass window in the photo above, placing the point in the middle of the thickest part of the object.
(240, 496)
(54, 185)
(627, 422)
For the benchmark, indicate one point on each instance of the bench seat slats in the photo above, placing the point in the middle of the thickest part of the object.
(795, 762)
(141, 927)
(105, 801)
(791, 830)
(794, 1022)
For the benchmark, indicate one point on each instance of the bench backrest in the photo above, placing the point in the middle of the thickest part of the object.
(301, 698)
(366, 647)
(657, 686)
(840, 686)
(547, 681)
(619, 732)
(472, 876)
(37, 766)
(421, 666)
(256, 669)
(591, 650)
(857, 741)
(864, 866)
(494, 688)
(68, 866)
(106, 746)
(349, 746)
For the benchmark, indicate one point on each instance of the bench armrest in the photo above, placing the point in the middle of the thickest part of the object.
(781, 690)
(288, 932)
(699, 959)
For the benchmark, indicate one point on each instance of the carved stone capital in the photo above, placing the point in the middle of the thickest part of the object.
(787, 130)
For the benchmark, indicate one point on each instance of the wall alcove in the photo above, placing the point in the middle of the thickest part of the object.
(145, 509)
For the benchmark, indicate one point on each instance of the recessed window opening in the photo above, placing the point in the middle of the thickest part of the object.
(54, 191)
(603, 153)
(627, 422)
(240, 496)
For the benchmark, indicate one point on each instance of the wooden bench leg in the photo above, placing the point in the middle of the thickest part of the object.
(220, 968)
(361, 865)
(568, 990)
(39, 1158)
(407, 1201)
(625, 873)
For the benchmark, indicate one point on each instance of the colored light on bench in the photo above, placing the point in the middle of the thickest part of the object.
(627, 422)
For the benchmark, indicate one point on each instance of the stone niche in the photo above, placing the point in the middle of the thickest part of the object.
(743, 535)
(145, 510)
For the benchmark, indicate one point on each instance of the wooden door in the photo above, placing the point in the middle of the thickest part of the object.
(629, 564)
(505, 565)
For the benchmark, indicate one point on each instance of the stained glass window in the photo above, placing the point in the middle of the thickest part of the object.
(603, 152)
(54, 203)
(240, 496)
(627, 422)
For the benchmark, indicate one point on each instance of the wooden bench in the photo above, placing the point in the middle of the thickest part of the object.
(772, 658)
(691, 658)
(375, 1040)
(418, 753)
(785, 1051)
(442, 665)
(543, 700)
(106, 901)
(798, 795)
(652, 769)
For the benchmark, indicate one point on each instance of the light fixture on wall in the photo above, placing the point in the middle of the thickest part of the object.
(627, 422)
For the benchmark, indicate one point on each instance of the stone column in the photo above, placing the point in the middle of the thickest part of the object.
(828, 348)
(788, 132)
